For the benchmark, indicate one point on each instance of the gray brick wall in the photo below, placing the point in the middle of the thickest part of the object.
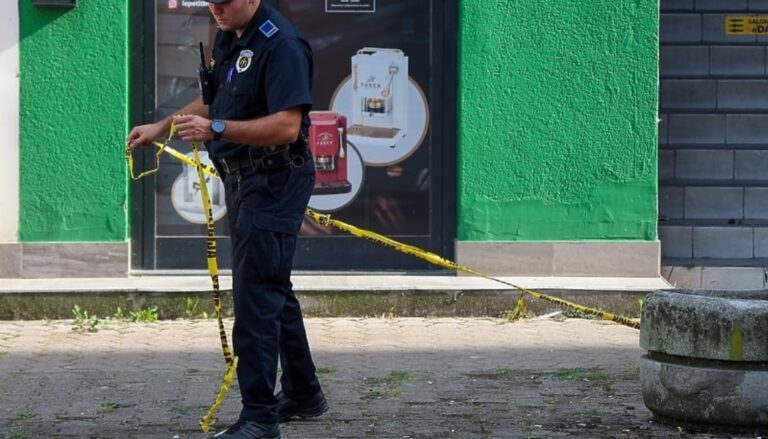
(723, 242)
(756, 203)
(713, 134)
(719, 5)
(704, 164)
(696, 129)
(713, 30)
(684, 61)
(758, 5)
(743, 94)
(700, 94)
(751, 165)
(680, 28)
(750, 129)
(672, 202)
(666, 164)
(761, 242)
(734, 60)
(676, 241)
(674, 5)
(723, 203)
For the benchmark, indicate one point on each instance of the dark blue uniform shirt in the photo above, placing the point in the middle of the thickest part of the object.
(267, 70)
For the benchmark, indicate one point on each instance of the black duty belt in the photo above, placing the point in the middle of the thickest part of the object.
(259, 159)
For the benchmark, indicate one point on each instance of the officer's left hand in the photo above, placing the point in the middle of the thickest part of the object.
(193, 128)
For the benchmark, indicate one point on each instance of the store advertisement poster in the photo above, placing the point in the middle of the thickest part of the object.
(370, 120)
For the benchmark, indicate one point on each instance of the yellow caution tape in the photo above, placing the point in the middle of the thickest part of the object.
(207, 420)
(129, 159)
(208, 169)
(213, 269)
(213, 266)
(326, 220)
(439, 261)
(521, 309)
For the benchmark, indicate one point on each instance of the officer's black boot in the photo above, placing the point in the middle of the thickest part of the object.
(245, 429)
(288, 408)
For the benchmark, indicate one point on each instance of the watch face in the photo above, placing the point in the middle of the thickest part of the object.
(217, 126)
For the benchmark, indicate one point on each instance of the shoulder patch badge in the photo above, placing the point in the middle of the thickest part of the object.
(244, 61)
(268, 28)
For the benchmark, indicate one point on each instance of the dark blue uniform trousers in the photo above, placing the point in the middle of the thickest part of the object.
(265, 211)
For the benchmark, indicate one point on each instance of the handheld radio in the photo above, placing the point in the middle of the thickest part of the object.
(206, 78)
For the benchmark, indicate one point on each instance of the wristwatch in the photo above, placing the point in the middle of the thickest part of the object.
(218, 126)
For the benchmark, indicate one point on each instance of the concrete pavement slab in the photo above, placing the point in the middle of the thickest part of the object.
(384, 378)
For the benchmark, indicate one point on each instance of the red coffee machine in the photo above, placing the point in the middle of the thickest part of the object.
(328, 142)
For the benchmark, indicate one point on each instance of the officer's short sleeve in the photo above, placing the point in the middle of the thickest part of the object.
(288, 80)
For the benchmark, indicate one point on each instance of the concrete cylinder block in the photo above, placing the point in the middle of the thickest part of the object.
(729, 326)
(705, 395)
(707, 360)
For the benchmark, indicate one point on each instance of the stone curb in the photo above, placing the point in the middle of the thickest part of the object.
(398, 303)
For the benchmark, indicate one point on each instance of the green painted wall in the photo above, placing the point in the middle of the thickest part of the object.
(74, 115)
(557, 120)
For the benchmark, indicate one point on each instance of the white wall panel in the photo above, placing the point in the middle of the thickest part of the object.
(9, 120)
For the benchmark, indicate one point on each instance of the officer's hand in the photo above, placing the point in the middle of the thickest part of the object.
(193, 128)
(144, 135)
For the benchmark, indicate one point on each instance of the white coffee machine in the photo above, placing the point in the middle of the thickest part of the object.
(379, 97)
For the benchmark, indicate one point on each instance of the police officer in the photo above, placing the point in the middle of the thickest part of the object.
(255, 129)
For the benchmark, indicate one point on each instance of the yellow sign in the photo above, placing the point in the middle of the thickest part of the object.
(746, 25)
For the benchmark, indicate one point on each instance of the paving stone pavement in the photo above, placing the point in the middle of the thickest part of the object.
(384, 378)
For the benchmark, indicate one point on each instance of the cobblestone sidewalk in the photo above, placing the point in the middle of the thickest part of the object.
(384, 378)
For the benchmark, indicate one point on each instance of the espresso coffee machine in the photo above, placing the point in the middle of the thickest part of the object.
(379, 97)
(328, 143)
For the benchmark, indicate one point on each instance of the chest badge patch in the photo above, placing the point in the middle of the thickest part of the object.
(244, 61)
